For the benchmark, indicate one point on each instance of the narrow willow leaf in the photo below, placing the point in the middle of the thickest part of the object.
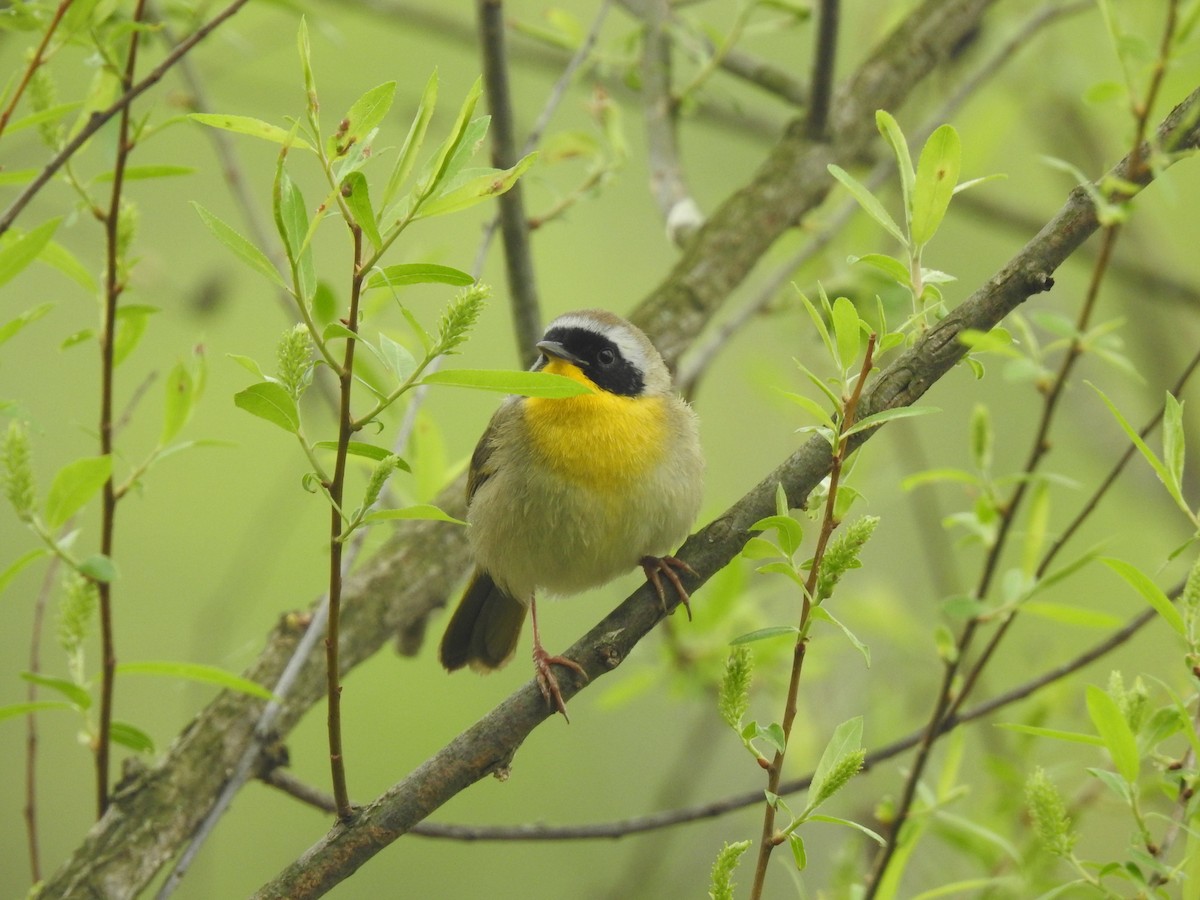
(1150, 592)
(13, 326)
(49, 114)
(131, 736)
(1173, 442)
(1071, 615)
(937, 174)
(846, 739)
(799, 855)
(890, 129)
(365, 450)
(436, 171)
(417, 511)
(849, 823)
(1114, 731)
(789, 531)
(475, 190)
(847, 330)
(271, 401)
(179, 394)
(887, 415)
(252, 127)
(889, 265)
(19, 252)
(868, 202)
(14, 568)
(399, 361)
(59, 257)
(820, 612)
(143, 173)
(412, 141)
(23, 709)
(198, 672)
(131, 322)
(99, 567)
(245, 250)
(526, 384)
(365, 114)
(418, 273)
(358, 200)
(1075, 737)
(75, 484)
(292, 223)
(76, 694)
(763, 634)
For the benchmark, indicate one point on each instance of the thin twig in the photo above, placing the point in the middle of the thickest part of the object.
(31, 731)
(667, 183)
(824, 61)
(514, 227)
(113, 288)
(38, 57)
(98, 119)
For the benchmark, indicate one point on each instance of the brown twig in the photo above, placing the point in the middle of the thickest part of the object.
(38, 57)
(113, 287)
(824, 60)
(99, 118)
(514, 227)
(829, 522)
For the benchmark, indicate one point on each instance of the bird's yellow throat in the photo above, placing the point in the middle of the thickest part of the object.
(601, 439)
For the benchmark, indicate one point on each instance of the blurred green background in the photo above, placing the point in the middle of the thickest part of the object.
(223, 541)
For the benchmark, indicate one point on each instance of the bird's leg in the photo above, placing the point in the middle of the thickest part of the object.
(654, 566)
(542, 662)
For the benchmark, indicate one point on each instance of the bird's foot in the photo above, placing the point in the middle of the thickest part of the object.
(542, 661)
(657, 567)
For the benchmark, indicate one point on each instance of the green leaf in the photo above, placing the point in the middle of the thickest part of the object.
(847, 331)
(131, 736)
(1150, 592)
(19, 252)
(412, 141)
(937, 174)
(75, 694)
(366, 114)
(292, 223)
(812, 407)
(889, 265)
(244, 250)
(252, 127)
(887, 415)
(1173, 442)
(789, 530)
(435, 172)
(99, 567)
(131, 322)
(418, 273)
(12, 326)
(1114, 731)
(773, 735)
(890, 129)
(363, 449)
(820, 612)
(14, 568)
(21, 709)
(179, 398)
(416, 511)
(1071, 615)
(1075, 737)
(199, 672)
(399, 361)
(491, 183)
(358, 200)
(763, 634)
(868, 202)
(271, 401)
(798, 854)
(142, 173)
(845, 740)
(834, 820)
(526, 384)
(75, 484)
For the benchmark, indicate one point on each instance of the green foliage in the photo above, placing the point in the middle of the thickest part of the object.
(1048, 813)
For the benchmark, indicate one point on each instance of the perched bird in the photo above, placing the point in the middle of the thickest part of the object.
(567, 494)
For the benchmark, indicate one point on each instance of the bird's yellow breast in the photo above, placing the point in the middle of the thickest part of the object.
(601, 440)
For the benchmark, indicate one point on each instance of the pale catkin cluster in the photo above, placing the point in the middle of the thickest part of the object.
(1133, 703)
(721, 881)
(16, 470)
(383, 469)
(294, 356)
(43, 94)
(75, 615)
(460, 316)
(733, 697)
(842, 554)
(1189, 604)
(1050, 820)
(843, 770)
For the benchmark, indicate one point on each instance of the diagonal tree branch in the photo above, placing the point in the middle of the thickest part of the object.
(489, 745)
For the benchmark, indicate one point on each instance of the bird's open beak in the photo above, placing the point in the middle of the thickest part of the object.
(558, 351)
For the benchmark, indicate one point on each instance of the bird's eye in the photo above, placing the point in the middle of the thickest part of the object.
(606, 357)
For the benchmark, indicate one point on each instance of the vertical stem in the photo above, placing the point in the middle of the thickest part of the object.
(113, 286)
(514, 229)
(828, 523)
(337, 763)
(824, 59)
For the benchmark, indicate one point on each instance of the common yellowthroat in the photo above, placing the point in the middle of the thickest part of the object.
(567, 494)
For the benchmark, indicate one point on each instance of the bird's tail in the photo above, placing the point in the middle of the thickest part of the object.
(485, 628)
